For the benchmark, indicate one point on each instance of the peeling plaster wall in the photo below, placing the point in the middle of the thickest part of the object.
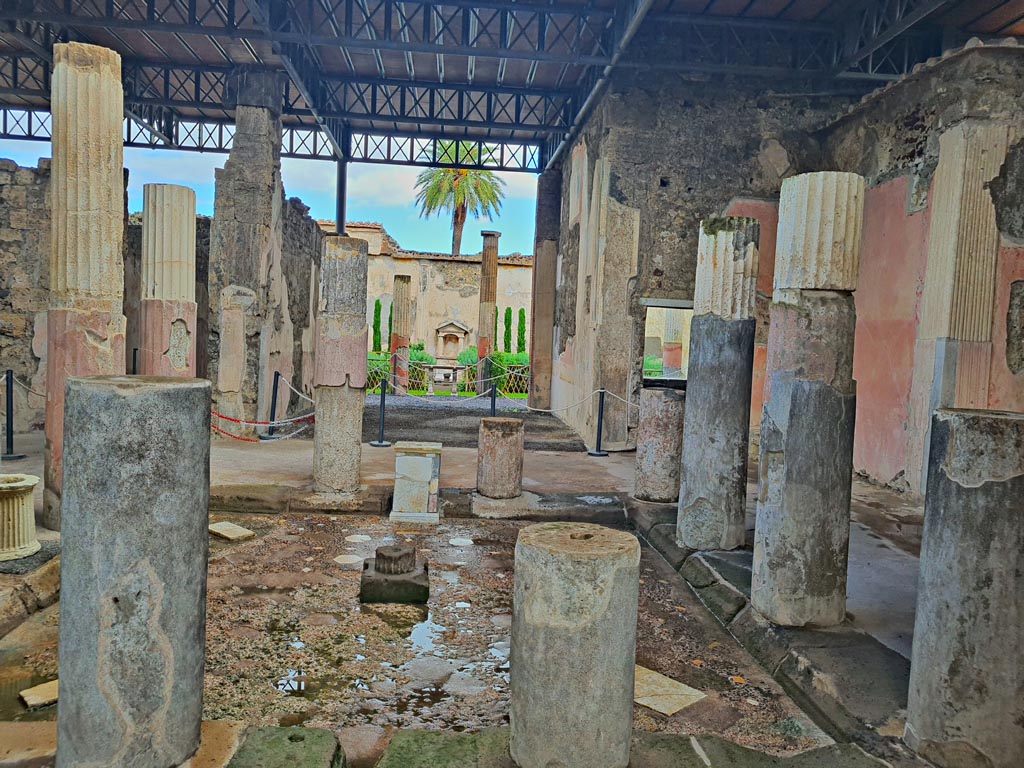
(24, 284)
(660, 152)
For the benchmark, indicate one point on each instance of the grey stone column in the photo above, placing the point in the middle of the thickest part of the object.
(966, 674)
(545, 279)
(801, 537)
(485, 341)
(340, 366)
(659, 444)
(713, 482)
(499, 464)
(576, 593)
(133, 571)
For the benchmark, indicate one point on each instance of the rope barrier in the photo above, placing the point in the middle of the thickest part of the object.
(279, 423)
(27, 388)
(617, 397)
(220, 431)
(305, 397)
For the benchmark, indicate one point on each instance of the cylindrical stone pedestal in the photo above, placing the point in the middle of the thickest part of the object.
(966, 676)
(573, 646)
(801, 538)
(168, 307)
(340, 368)
(659, 444)
(485, 342)
(85, 323)
(17, 516)
(713, 481)
(401, 328)
(499, 464)
(133, 571)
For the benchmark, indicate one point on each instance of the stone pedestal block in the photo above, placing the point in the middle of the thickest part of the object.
(966, 678)
(713, 476)
(133, 571)
(417, 476)
(17, 516)
(499, 464)
(659, 444)
(576, 595)
(806, 461)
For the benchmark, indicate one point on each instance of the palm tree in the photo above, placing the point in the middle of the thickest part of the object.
(459, 192)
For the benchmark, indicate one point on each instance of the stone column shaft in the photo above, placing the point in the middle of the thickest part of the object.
(713, 475)
(168, 308)
(659, 444)
(133, 571)
(339, 378)
(545, 279)
(801, 538)
(576, 595)
(485, 343)
(966, 680)
(401, 330)
(85, 322)
(499, 467)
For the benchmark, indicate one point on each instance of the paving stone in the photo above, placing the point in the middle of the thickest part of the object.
(28, 745)
(44, 583)
(697, 573)
(645, 516)
(349, 559)
(40, 696)
(722, 600)
(357, 538)
(230, 531)
(662, 694)
(218, 741)
(663, 538)
(289, 748)
(734, 567)
(363, 744)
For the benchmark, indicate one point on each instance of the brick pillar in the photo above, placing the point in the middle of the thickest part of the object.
(806, 463)
(168, 307)
(85, 321)
(713, 481)
(485, 342)
(401, 329)
(542, 304)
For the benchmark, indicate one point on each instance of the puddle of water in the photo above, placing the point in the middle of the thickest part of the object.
(294, 683)
(402, 619)
(420, 699)
(424, 635)
(11, 706)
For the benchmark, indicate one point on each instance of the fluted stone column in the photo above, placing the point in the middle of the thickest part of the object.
(806, 461)
(168, 308)
(713, 479)
(966, 680)
(17, 517)
(576, 595)
(340, 375)
(545, 280)
(499, 466)
(659, 444)
(133, 571)
(85, 321)
(401, 329)
(488, 306)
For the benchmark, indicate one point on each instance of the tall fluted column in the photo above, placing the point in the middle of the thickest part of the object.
(801, 538)
(713, 479)
(339, 379)
(85, 321)
(168, 307)
(401, 329)
(488, 306)
(545, 279)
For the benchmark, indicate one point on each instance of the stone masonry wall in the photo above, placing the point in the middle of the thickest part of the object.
(24, 284)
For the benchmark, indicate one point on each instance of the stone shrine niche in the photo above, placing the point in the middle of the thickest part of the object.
(451, 338)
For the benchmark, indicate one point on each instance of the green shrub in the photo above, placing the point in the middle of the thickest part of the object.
(376, 325)
(521, 331)
(468, 356)
(391, 315)
(653, 366)
(419, 376)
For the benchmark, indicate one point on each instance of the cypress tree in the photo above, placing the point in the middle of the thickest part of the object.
(521, 332)
(376, 325)
(508, 330)
(391, 312)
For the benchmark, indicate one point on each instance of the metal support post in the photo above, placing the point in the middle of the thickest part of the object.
(600, 426)
(9, 454)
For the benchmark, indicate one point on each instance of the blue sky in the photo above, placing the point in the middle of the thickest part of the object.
(383, 193)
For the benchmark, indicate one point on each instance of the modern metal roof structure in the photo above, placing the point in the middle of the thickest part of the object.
(493, 83)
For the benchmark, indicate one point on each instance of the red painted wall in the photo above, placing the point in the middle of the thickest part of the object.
(894, 253)
(1005, 390)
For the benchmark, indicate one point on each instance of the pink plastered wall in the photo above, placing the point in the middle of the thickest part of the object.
(893, 257)
(1006, 389)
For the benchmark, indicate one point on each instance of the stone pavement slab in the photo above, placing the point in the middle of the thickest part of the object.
(230, 531)
(289, 748)
(661, 693)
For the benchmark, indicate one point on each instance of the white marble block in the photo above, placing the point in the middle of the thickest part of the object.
(417, 475)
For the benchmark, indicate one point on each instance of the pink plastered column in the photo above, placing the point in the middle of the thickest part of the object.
(401, 326)
(488, 306)
(85, 323)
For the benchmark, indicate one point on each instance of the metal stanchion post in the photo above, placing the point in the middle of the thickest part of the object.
(135, 361)
(273, 402)
(494, 384)
(380, 442)
(9, 453)
(600, 426)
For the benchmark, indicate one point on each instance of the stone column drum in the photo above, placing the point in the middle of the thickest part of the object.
(340, 373)
(168, 307)
(85, 322)
(133, 571)
(401, 329)
(713, 479)
(485, 342)
(966, 679)
(573, 645)
(17, 516)
(499, 464)
(802, 533)
(659, 444)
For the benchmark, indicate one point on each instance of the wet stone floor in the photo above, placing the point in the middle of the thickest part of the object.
(288, 642)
